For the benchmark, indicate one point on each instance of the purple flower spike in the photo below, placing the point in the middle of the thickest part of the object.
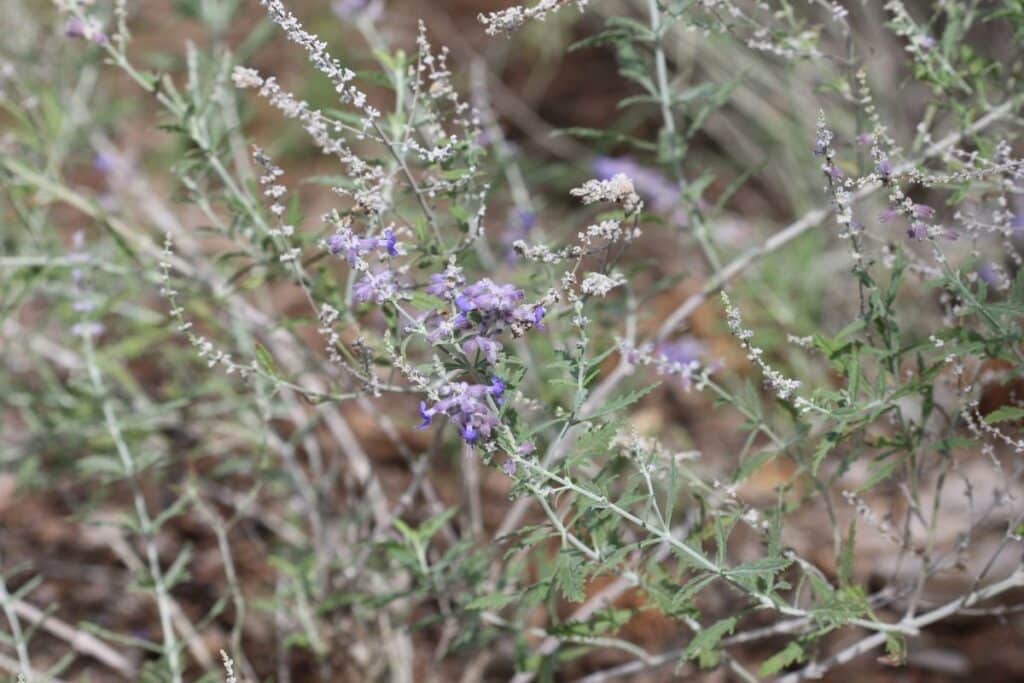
(924, 211)
(488, 347)
(90, 29)
(538, 315)
(465, 407)
(497, 390)
(888, 215)
(509, 467)
(426, 414)
(389, 243)
(375, 286)
(884, 168)
(917, 231)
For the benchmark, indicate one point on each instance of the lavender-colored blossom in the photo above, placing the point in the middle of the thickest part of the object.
(888, 215)
(87, 29)
(483, 345)
(103, 163)
(1017, 221)
(681, 358)
(354, 248)
(376, 286)
(439, 326)
(348, 9)
(865, 139)
(923, 211)
(497, 390)
(520, 223)
(834, 172)
(991, 275)
(509, 467)
(466, 407)
(917, 230)
(883, 168)
(445, 285)
(489, 298)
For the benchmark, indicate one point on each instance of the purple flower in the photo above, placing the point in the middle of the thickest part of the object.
(497, 390)
(883, 168)
(426, 414)
(354, 248)
(917, 230)
(445, 284)
(489, 298)
(484, 345)
(865, 139)
(1017, 222)
(888, 215)
(103, 163)
(377, 286)
(538, 315)
(923, 211)
(389, 243)
(990, 275)
(520, 223)
(465, 406)
(509, 467)
(89, 29)
(681, 358)
(348, 9)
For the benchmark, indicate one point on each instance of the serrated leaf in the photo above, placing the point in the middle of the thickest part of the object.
(704, 645)
(791, 654)
(495, 601)
(569, 577)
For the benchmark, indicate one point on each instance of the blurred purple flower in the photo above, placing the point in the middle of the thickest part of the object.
(652, 186)
(348, 9)
(924, 211)
(990, 275)
(89, 29)
(917, 230)
(520, 223)
(682, 358)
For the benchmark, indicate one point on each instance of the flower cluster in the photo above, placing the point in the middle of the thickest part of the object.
(484, 310)
(682, 358)
(354, 248)
(652, 186)
(89, 28)
(511, 18)
(465, 405)
(783, 387)
(618, 189)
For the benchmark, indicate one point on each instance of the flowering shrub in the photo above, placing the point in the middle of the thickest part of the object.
(412, 396)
